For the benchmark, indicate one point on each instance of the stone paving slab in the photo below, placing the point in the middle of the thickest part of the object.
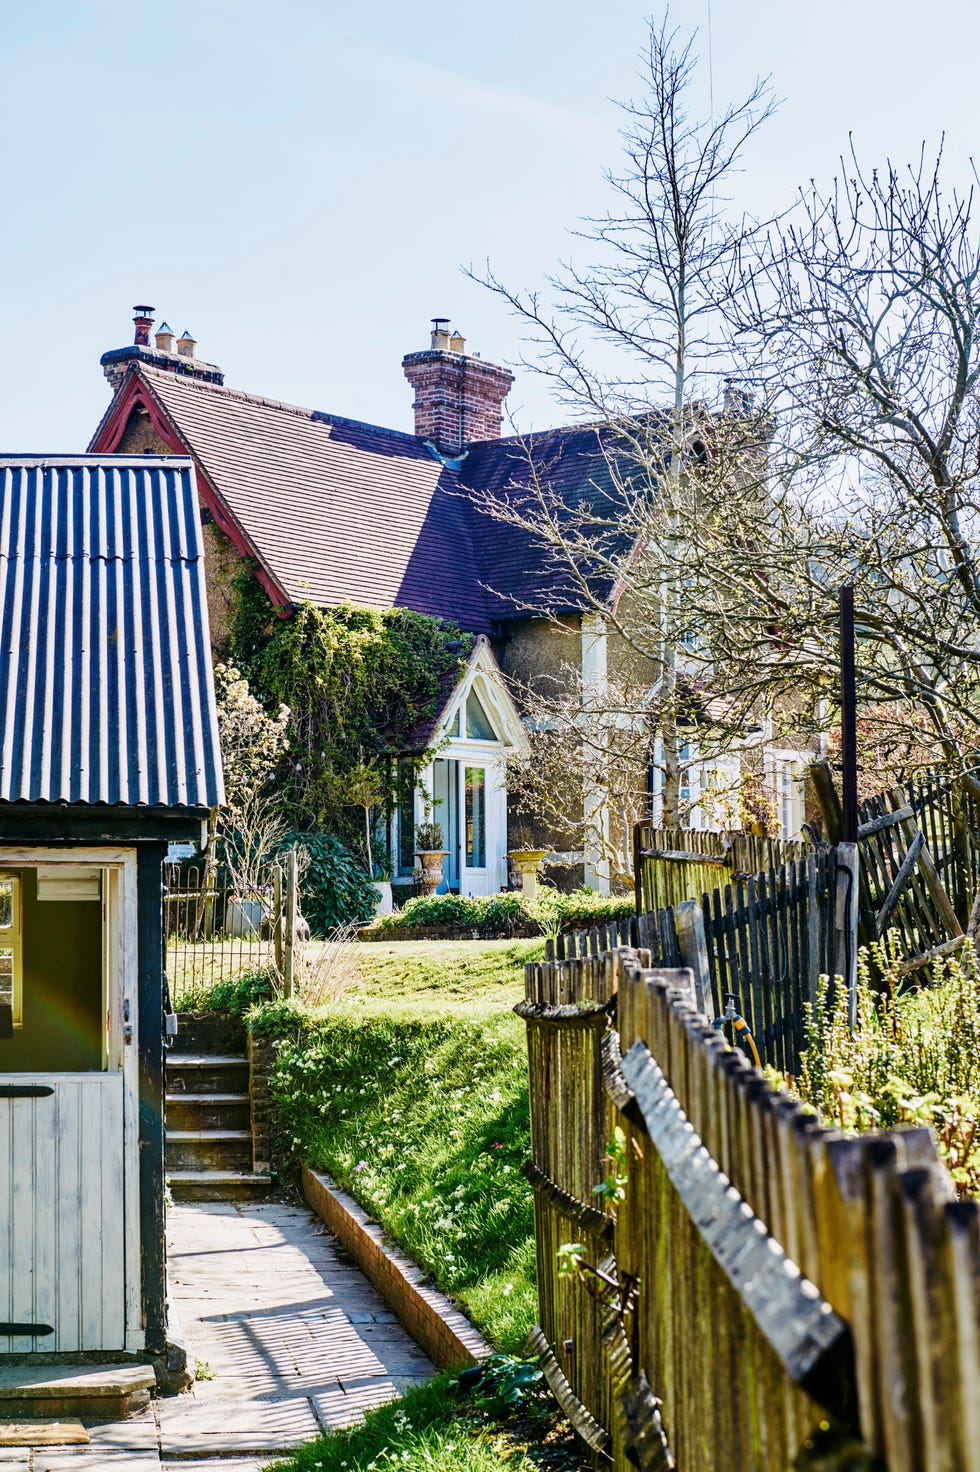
(295, 1337)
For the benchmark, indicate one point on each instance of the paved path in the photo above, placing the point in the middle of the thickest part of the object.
(295, 1338)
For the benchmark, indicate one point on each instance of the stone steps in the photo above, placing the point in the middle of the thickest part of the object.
(61, 1390)
(209, 1153)
(217, 1185)
(209, 1149)
(208, 1112)
(200, 1073)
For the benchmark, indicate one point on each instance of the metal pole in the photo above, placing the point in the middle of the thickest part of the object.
(847, 850)
(848, 717)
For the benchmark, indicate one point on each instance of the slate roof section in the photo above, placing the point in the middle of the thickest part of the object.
(564, 469)
(105, 671)
(338, 511)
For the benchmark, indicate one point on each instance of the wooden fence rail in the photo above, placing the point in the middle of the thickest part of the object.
(761, 1276)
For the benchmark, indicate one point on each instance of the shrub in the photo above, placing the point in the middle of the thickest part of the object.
(498, 914)
(913, 1057)
(336, 890)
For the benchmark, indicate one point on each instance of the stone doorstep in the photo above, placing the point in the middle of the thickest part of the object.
(99, 1393)
(433, 1321)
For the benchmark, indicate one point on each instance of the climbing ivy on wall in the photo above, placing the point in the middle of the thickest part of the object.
(357, 681)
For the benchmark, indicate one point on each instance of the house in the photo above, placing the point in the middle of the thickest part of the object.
(332, 511)
(108, 753)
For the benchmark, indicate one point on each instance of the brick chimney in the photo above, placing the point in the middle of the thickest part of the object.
(117, 362)
(458, 397)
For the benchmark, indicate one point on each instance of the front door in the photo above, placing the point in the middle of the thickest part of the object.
(69, 1206)
(445, 792)
(62, 1244)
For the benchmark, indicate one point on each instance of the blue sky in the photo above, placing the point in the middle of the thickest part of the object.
(299, 183)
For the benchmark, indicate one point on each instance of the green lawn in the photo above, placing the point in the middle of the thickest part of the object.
(443, 975)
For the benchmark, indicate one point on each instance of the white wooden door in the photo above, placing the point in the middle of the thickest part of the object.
(62, 1238)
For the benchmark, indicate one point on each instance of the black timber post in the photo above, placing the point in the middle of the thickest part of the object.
(848, 717)
(149, 913)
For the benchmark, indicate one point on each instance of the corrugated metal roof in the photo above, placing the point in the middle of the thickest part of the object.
(105, 669)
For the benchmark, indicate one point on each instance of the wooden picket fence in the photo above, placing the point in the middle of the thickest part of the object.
(767, 939)
(676, 864)
(768, 1294)
(948, 813)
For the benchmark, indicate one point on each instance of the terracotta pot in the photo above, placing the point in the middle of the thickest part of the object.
(430, 864)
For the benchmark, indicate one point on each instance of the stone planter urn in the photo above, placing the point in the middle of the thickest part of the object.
(382, 888)
(527, 861)
(430, 867)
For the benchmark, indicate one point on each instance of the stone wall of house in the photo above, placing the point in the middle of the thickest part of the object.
(222, 561)
(545, 654)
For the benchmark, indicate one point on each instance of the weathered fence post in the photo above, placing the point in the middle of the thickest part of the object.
(689, 921)
(289, 939)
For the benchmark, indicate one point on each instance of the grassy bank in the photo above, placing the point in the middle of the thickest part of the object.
(410, 1088)
(436, 1429)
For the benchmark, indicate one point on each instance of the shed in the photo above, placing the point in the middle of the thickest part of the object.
(108, 752)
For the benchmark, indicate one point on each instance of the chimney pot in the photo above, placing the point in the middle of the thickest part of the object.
(142, 321)
(164, 338)
(186, 345)
(457, 343)
(440, 334)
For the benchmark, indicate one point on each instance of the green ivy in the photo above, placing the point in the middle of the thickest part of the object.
(358, 682)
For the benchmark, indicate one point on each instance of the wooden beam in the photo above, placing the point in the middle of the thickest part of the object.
(150, 944)
(676, 856)
(823, 785)
(948, 948)
(901, 880)
(594, 1435)
(887, 820)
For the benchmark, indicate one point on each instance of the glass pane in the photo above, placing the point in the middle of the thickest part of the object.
(7, 975)
(406, 817)
(6, 903)
(454, 727)
(478, 727)
(476, 845)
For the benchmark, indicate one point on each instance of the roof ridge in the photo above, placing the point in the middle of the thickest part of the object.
(301, 411)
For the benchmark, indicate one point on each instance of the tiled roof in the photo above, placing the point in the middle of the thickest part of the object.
(563, 469)
(105, 669)
(337, 511)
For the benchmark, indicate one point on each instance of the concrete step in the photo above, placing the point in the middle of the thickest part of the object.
(209, 1032)
(97, 1392)
(208, 1112)
(209, 1150)
(203, 1073)
(217, 1185)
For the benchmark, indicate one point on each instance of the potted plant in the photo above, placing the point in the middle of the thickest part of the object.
(382, 888)
(430, 854)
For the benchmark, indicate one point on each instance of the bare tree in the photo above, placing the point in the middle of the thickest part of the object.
(650, 301)
(863, 313)
(251, 826)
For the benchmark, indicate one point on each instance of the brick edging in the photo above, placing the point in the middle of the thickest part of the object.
(446, 1335)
